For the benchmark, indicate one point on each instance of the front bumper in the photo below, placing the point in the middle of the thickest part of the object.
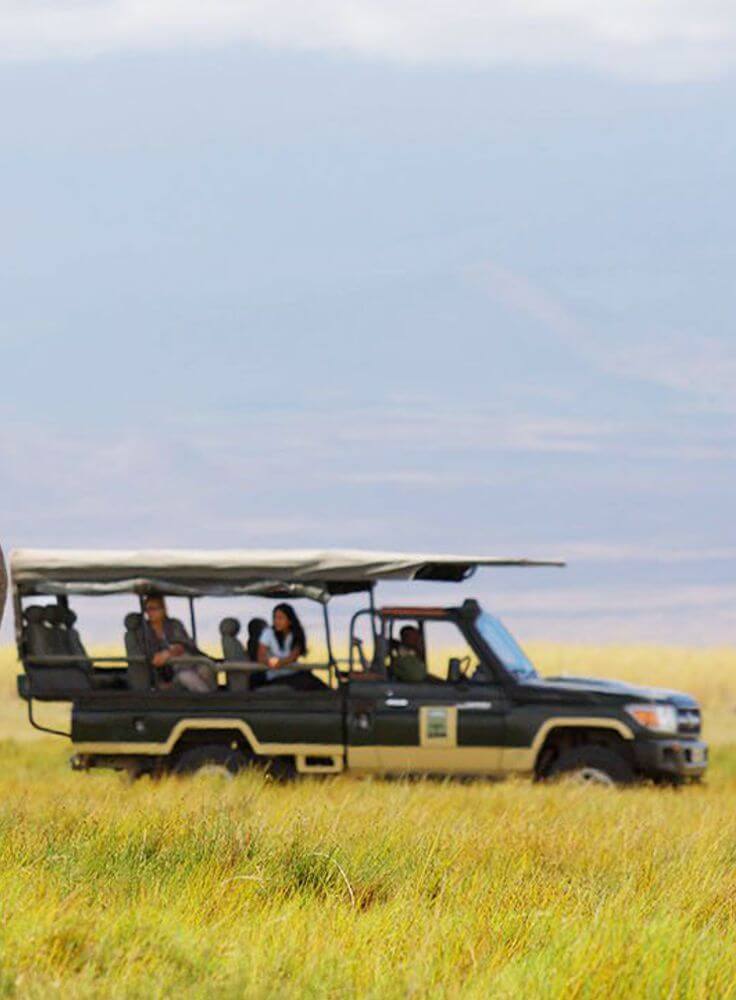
(671, 758)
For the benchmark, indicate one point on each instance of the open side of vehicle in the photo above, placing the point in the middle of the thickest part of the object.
(423, 690)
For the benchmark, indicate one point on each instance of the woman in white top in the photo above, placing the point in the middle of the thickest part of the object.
(282, 645)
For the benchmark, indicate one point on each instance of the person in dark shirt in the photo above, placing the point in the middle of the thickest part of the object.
(408, 664)
(166, 639)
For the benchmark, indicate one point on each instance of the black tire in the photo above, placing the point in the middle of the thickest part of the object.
(212, 755)
(591, 765)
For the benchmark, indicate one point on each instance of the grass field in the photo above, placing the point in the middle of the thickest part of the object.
(343, 888)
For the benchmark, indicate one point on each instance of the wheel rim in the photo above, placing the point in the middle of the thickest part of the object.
(589, 776)
(218, 770)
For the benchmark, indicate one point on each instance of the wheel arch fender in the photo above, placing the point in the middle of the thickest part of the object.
(526, 759)
(557, 735)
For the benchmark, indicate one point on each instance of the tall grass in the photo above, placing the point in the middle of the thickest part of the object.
(343, 888)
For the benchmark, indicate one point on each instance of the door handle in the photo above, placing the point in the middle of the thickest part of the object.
(396, 702)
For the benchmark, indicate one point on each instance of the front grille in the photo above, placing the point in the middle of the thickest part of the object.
(688, 721)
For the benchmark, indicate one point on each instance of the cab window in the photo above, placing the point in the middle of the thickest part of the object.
(449, 655)
(440, 648)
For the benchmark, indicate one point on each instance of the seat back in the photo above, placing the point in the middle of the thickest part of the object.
(138, 674)
(233, 649)
(37, 636)
(65, 636)
(74, 639)
(46, 635)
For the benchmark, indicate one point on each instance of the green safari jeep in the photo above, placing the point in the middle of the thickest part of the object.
(472, 704)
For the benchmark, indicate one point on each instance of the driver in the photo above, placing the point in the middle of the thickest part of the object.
(408, 664)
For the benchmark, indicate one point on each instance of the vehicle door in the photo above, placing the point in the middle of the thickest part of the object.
(452, 722)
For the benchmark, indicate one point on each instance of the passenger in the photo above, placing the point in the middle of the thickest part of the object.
(282, 645)
(166, 639)
(409, 665)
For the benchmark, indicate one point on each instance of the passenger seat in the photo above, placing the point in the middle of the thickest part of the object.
(38, 637)
(233, 649)
(66, 640)
(66, 636)
(139, 674)
(45, 637)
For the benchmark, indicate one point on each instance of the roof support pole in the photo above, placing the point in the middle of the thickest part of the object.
(328, 637)
(193, 620)
(146, 644)
(372, 600)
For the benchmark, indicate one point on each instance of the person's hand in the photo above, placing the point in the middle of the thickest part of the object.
(177, 649)
(274, 662)
(162, 658)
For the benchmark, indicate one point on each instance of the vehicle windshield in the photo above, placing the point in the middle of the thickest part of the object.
(507, 649)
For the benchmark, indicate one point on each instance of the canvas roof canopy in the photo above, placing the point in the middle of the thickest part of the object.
(266, 572)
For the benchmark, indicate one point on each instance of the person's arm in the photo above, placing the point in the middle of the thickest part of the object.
(286, 661)
(179, 639)
(276, 662)
(162, 658)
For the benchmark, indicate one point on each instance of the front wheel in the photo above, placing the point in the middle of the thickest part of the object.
(209, 759)
(591, 765)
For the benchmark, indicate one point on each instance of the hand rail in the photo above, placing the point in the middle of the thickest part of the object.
(69, 659)
(227, 666)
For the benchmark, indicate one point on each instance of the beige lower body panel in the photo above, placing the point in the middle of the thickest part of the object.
(302, 751)
(435, 755)
(425, 760)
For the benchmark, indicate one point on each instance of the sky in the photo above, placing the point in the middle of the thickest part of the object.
(380, 275)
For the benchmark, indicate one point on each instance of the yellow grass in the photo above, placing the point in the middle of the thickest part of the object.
(345, 888)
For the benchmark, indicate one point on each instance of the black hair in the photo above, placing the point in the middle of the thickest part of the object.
(155, 595)
(298, 638)
(255, 631)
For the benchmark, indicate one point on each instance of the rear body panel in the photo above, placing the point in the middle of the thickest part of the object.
(275, 720)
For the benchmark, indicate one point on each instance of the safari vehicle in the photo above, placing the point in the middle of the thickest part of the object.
(481, 709)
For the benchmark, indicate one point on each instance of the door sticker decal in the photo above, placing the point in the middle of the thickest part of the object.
(438, 726)
(436, 723)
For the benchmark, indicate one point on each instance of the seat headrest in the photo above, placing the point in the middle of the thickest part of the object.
(68, 617)
(53, 615)
(230, 626)
(133, 621)
(34, 614)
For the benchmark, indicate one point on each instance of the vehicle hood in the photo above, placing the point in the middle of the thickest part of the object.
(597, 689)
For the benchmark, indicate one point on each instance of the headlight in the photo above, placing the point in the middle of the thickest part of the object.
(660, 718)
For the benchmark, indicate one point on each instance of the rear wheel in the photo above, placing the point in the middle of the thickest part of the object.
(209, 759)
(591, 765)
